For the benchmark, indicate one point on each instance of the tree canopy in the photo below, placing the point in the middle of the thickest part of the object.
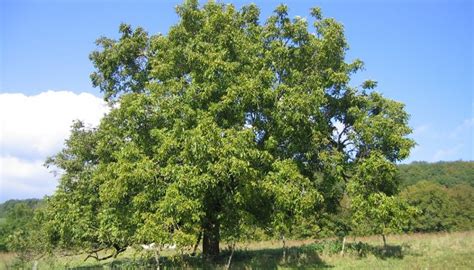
(223, 123)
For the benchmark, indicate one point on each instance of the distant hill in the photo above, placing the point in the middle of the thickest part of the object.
(444, 173)
(6, 206)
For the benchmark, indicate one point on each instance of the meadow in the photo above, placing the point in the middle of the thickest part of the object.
(407, 251)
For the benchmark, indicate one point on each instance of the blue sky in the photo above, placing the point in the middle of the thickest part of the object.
(420, 52)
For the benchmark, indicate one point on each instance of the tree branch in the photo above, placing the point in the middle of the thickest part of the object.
(94, 254)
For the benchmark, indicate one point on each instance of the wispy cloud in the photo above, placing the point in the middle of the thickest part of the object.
(450, 153)
(463, 129)
(434, 144)
(421, 130)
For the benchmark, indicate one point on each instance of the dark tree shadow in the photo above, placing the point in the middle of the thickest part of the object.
(389, 251)
(381, 252)
(296, 258)
(303, 257)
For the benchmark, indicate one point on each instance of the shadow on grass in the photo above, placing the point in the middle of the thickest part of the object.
(302, 257)
(296, 258)
(381, 252)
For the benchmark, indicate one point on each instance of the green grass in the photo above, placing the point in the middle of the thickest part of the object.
(419, 251)
(410, 251)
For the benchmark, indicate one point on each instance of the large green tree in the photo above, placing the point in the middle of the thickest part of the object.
(222, 123)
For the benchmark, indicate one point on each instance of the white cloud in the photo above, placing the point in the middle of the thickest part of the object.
(34, 127)
(13, 167)
(24, 179)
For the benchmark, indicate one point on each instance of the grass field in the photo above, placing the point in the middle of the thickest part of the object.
(410, 251)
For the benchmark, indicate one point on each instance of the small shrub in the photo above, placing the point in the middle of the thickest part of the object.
(325, 246)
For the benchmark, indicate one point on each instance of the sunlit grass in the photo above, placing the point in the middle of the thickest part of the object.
(408, 251)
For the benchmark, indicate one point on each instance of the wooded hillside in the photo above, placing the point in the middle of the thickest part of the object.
(444, 173)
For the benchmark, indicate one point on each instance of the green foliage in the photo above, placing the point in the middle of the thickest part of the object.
(440, 208)
(22, 232)
(463, 196)
(16, 216)
(380, 214)
(444, 173)
(7, 206)
(222, 124)
(374, 207)
(325, 246)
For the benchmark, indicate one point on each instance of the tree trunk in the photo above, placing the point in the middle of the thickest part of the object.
(211, 236)
(197, 243)
(284, 248)
(157, 258)
(384, 241)
(230, 257)
(343, 245)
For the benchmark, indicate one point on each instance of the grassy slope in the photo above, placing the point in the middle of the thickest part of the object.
(419, 251)
(424, 251)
